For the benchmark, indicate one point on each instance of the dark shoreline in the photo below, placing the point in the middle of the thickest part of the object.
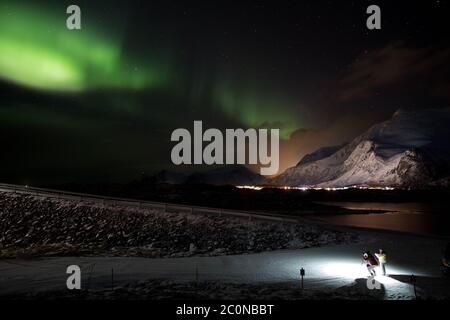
(271, 200)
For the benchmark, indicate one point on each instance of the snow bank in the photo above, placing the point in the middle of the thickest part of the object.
(36, 226)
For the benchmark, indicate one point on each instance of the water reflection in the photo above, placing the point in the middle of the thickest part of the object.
(418, 218)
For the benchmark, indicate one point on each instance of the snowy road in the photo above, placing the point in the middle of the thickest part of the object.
(326, 267)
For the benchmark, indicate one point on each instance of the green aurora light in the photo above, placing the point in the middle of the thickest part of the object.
(38, 51)
(257, 110)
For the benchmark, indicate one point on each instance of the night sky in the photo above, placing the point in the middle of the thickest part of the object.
(99, 104)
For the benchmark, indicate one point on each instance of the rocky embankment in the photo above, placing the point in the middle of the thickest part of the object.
(32, 226)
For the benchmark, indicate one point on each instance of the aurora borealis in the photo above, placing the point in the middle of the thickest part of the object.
(99, 103)
(35, 51)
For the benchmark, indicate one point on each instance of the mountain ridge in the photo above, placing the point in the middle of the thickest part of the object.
(410, 149)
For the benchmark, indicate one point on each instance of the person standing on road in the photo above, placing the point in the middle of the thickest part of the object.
(381, 256)
(371, 263)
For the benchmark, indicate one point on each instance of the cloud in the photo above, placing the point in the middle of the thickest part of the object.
(342, 129)
(391, 65)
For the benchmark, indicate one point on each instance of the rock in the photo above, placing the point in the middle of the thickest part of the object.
(34, 225)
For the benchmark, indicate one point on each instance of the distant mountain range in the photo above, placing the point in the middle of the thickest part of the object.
(227, 175)
(412, 150)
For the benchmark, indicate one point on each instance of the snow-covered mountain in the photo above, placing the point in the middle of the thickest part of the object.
(320, 154)
(412, 149)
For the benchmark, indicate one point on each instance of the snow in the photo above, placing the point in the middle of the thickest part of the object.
(335, 269)
(410, 149)
(332, 271)
(320, 154)
(34, 226)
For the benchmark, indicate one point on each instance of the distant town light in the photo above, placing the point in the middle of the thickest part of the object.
(307, 188)
(256, 188)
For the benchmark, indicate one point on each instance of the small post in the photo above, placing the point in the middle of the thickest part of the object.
(112, 279)
(302, 274)
(90, 277)
(196, 275)
(413, 281)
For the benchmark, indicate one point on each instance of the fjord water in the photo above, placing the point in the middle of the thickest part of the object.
(416, 218)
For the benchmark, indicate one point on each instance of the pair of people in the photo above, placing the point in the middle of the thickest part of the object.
(372, 261)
